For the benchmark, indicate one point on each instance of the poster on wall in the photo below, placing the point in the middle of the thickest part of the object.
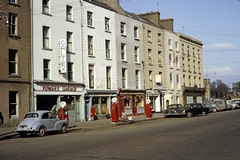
(189, 99)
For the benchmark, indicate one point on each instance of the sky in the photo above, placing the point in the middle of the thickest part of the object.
(216, 23)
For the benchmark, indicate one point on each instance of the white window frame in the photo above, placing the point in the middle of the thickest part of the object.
(91, 76)
(70, 71)
(136, 32)
(69, 42)
(136, 54)
(13, 62)
(46, 6)
(124, 78)
(107, 24)
(108, 77)
(90, 45)
(137, 77)
(107, 48)
(46, 37)
(69, 12)
(13, 21)
(89, 18)
(123, 28)
(46, 69)
(123, 51)
(13, 104)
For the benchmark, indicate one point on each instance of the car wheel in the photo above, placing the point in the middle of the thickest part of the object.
(22, 134)
(203, 113)
(64, 128)
(189, 114)
(214, 110)
(41, 132)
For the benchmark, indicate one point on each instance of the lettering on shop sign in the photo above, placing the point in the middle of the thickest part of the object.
(58, 88)
(50, 88)
(69, 88)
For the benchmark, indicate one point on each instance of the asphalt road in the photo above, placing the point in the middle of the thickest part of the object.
(214, 136)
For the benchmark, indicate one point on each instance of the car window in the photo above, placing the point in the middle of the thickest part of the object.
(31, 115)
(45, 116)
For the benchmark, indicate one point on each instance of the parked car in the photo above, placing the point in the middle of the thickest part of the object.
(1, 118)
(235, 104)
(40, 122)
(213, 107)
(193, 109)
(222, 103)
(174, 110)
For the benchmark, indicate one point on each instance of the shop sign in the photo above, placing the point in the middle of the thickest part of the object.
(59, 88)
(63, 56)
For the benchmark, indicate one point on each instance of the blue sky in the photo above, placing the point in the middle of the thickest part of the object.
(214, 22)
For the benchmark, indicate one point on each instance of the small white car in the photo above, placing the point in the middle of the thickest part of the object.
(40, 122)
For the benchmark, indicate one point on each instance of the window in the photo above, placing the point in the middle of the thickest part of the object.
(170, 60)
(46, 69)
(107, 28)
(108, 76)
(150, 79)
(13, 62)
(124, 78)
(159, 58)
(176, 46)
(159, 39)
(149, 34)
(46, 37)
(171, 80)
(12, 1)
(90, 45)
(69, 42)
(107, 48)
(170, 43)
(45, 6)
(13, 103)
(177, 61)
(123, 50)
(91, 76)
(70, 71)
(136, 32)
(12, 29)
(136, 54)
(150, 56)
(137, 79)
(89, 18)
(69, 13)
(178, 81)
(123, 28)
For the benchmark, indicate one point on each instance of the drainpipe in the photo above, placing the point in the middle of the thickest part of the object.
(32, 107)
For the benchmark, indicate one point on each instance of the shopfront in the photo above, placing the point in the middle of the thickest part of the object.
(47, 96)
(131, 102)
(100, 100)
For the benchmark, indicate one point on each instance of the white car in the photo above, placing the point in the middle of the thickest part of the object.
(40, 122)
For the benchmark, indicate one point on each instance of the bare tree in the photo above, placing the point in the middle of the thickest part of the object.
(219, 89)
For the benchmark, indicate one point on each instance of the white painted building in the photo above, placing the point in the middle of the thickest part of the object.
(99, 56)
(57, 56)
(172, 62)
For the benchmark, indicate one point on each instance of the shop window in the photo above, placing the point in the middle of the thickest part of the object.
(127, 102)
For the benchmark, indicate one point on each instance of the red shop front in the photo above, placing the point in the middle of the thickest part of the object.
(131, 102)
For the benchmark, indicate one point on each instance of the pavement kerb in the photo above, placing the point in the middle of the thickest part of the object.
(10, 133)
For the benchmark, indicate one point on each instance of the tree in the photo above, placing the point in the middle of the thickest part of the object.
(219, 89)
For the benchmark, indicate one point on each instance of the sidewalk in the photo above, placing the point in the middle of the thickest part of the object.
(8, 132)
